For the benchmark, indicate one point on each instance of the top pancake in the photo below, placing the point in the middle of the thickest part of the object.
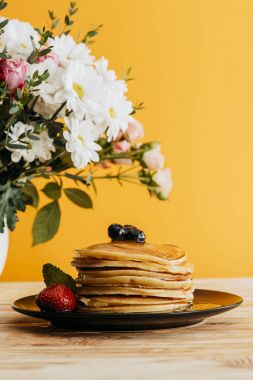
(131, 251)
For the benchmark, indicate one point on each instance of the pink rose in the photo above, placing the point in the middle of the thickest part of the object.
(135, 131)
(13, 72)
(153, 158)
(50, 55)
(121, 146)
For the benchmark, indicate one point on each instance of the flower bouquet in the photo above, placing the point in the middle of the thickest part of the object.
(65, 114)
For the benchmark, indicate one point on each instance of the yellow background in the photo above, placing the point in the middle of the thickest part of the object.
(193, 61)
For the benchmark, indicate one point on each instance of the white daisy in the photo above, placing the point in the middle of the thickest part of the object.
(81, 137)
(17, 38)
(68, 50)
(115, 114)
(109, 77)
(81, 88)
(46, 105)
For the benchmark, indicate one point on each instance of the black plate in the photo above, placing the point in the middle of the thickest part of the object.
(206, 304)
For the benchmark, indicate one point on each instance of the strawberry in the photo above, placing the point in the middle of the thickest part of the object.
(57, 297)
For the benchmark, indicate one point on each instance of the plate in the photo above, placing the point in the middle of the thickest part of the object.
(206, 304)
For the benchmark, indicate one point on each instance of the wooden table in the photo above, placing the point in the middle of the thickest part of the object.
(220, 348)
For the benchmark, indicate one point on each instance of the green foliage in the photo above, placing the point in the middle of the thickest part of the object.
(88, 38)
(30, 194)
(126, 76)
(54, 20)
(54, 275)
(36, 79)
(3, 5)
(68, 19)
(137, 107)
(46, 223)
(3, 23)
(41, 51)
(11, 201)
(79, 197)
(52, 190)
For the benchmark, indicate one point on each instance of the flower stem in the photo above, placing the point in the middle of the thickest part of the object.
(58, 111)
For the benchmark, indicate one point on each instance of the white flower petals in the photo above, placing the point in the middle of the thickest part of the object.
(81, 137)
(36, 149)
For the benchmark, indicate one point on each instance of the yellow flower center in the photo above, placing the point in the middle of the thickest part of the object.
(80, 138)
(112, 113)
(79, 90)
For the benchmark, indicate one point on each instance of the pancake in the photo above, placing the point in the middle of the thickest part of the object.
(121, 290)
(112, 272)
(103, 301)
(100, 263)
(126, 277)
(138, 281)
(135, 308)
(125, 251)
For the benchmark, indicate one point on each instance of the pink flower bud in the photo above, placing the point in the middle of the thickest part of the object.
(135, 131)
(121, 146)
(13, 71)
(153, 158)
(106, 164)
(164, 181)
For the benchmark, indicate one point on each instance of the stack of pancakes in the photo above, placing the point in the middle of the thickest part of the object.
(124, 276)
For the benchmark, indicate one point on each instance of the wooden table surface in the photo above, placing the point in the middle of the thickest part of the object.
(219, 348)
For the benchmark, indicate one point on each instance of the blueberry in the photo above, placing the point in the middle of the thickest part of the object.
(130, 227)
(116, 232)
(134, 234)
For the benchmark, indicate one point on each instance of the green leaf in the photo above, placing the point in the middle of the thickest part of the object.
(4, 55)
(46, 223)
(11, 201)
(34, 137)
(32, 57)
(3, 23)
(3, 5)
(31, 195)
(55, 23)
(51, 14)
(44, 52)
(66, 20)
(18, 146)
(79, 197)
(54, 275)
(19, 93)
(52, 190)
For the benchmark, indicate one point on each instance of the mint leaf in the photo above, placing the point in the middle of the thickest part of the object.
(54, 275)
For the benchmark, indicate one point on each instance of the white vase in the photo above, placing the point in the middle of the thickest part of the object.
(4, 245)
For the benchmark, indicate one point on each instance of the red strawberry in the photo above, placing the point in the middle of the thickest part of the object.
(56, 298)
